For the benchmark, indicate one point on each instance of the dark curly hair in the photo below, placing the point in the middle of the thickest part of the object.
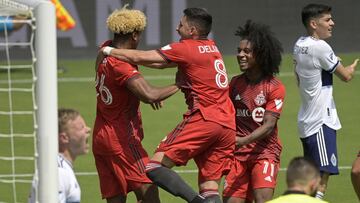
(266, 47)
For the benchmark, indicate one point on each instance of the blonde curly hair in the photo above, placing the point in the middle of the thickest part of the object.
(124, 21)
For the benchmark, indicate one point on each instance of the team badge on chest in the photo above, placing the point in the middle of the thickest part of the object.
(260, 99)
(258, 114)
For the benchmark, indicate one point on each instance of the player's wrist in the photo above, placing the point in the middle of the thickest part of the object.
(107, 50)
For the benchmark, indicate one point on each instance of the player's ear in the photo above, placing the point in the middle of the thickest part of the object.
(313, 24)
(136, 36)
(193, 30)
(63, 138)
(314, 185)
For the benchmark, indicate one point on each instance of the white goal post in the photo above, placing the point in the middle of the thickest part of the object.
(45, 107)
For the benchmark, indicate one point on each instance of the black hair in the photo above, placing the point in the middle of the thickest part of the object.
(266, 47)
(311, 11)
(201, 18)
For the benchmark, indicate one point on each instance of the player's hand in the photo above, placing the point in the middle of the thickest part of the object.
(354, 64)
(157, 105)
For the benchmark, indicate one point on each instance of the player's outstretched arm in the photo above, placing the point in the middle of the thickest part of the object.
(137, 57)
(346, 73)
(161, 65)
(148, 93)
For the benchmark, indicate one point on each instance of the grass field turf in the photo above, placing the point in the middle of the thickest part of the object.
(80, 94)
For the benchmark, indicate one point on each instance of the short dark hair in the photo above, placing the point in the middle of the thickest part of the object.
(266, 47)
(311, 11)
(301, 170)
(201, 18)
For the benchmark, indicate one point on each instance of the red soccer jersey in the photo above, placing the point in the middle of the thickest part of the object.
(252, 102)
(118, 118)
(203, 79)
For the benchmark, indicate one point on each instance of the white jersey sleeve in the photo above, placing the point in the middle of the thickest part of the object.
(324, 57)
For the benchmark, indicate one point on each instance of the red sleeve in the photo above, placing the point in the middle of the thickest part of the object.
(106, 43)
(275, 100)
(176, 52)
(122, 71)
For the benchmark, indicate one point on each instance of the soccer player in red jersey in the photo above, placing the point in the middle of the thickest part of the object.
(207, 133)
(258, 98)
(119, 155)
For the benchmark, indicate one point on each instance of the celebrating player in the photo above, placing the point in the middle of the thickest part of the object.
(315, 63)
(258, 98)
(207, 133)
(119, 155)
(73, 141)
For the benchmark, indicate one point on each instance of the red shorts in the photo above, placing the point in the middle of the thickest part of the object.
(246, 176)
(122, 173)
(210, 144)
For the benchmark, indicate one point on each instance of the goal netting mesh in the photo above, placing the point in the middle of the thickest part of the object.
(17, 105)
(18, 101)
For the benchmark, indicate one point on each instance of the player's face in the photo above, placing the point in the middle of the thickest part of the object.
(324, 26)
(184, 28)
(245, 56)
(78, 133)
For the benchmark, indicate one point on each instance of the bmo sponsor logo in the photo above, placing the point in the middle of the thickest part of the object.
(208, 49)
(243, 113)
(258, 114)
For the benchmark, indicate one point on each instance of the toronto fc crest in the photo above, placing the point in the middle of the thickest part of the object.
(260, 99)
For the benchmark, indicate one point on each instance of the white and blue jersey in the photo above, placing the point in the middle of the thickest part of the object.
(69, 189)
(315, 62)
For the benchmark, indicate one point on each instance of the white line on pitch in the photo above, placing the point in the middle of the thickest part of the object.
(192, 171)
(189, 171)
(150, 77)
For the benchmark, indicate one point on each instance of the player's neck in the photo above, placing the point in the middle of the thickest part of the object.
(298, 189)
(68, 156)
(127, 44)
(254, 76)
(314, 35)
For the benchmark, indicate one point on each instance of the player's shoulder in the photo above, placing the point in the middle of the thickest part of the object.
(276, 84)
(237, 79)
(312, 42)
(119, 64)
(174, 46)
(296, 198)
(322, 45)
(276, 81)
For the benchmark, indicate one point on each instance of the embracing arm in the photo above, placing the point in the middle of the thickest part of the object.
(137, 57)
(148, 93)
(346, 73)
(160, 65)
(261, 132)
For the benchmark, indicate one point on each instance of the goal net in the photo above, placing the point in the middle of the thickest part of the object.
(28, 100)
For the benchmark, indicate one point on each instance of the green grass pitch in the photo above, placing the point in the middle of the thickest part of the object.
(80, 94)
